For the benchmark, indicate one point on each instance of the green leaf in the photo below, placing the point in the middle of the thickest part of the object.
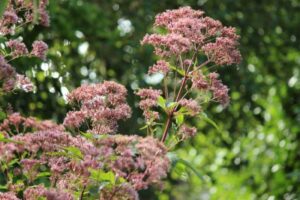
(14, 161)
(43, 174)
(191, 167)
(88, 136)
(3, 187)
(3, 6)
(175, 160)
(161, 102)
(179, 119)
(210, 121)
(144, 127)
(74, 152)
(7, 140)
(101, 176)
(180, 71)
(171, 105)
(2, 115)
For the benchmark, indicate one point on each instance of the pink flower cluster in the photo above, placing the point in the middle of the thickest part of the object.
(161, 66)
(220, 91)
(187, 42)
(149, 100)
(8, 196)
(191, 106)
(15, 123)
(124, 191)
(23, 12)
(39, 49)
(199, 81)
(24, 83)
(18, 48)
(186, 132)
(211, 83)
(16, 14)
(168, 45)
(141, 161)
(103, 104)
(39, 191)
(188, 30)
(47, 148)
(7, 75)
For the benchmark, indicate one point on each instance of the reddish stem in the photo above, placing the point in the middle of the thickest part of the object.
(170, 115)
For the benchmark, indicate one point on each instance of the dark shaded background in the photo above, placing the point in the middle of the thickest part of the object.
(256, 153)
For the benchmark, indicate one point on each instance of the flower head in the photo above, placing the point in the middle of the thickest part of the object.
(18, 48)
(220, 91)
(160, 67)
(39, 49)
(104, 104)
(187, 132)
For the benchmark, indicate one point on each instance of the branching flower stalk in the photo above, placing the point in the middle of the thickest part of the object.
(85, 157)
(190, 44)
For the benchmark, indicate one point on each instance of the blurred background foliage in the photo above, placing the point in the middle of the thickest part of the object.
(255, 151)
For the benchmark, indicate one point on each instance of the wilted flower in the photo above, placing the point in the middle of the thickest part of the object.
(186, 132)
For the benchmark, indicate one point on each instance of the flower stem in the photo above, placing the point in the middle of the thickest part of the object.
(170, 115)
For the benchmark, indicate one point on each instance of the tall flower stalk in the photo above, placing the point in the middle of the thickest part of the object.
(85, 157)
(190, 47)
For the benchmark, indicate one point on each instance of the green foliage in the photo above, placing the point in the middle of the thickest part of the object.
(3, 5)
